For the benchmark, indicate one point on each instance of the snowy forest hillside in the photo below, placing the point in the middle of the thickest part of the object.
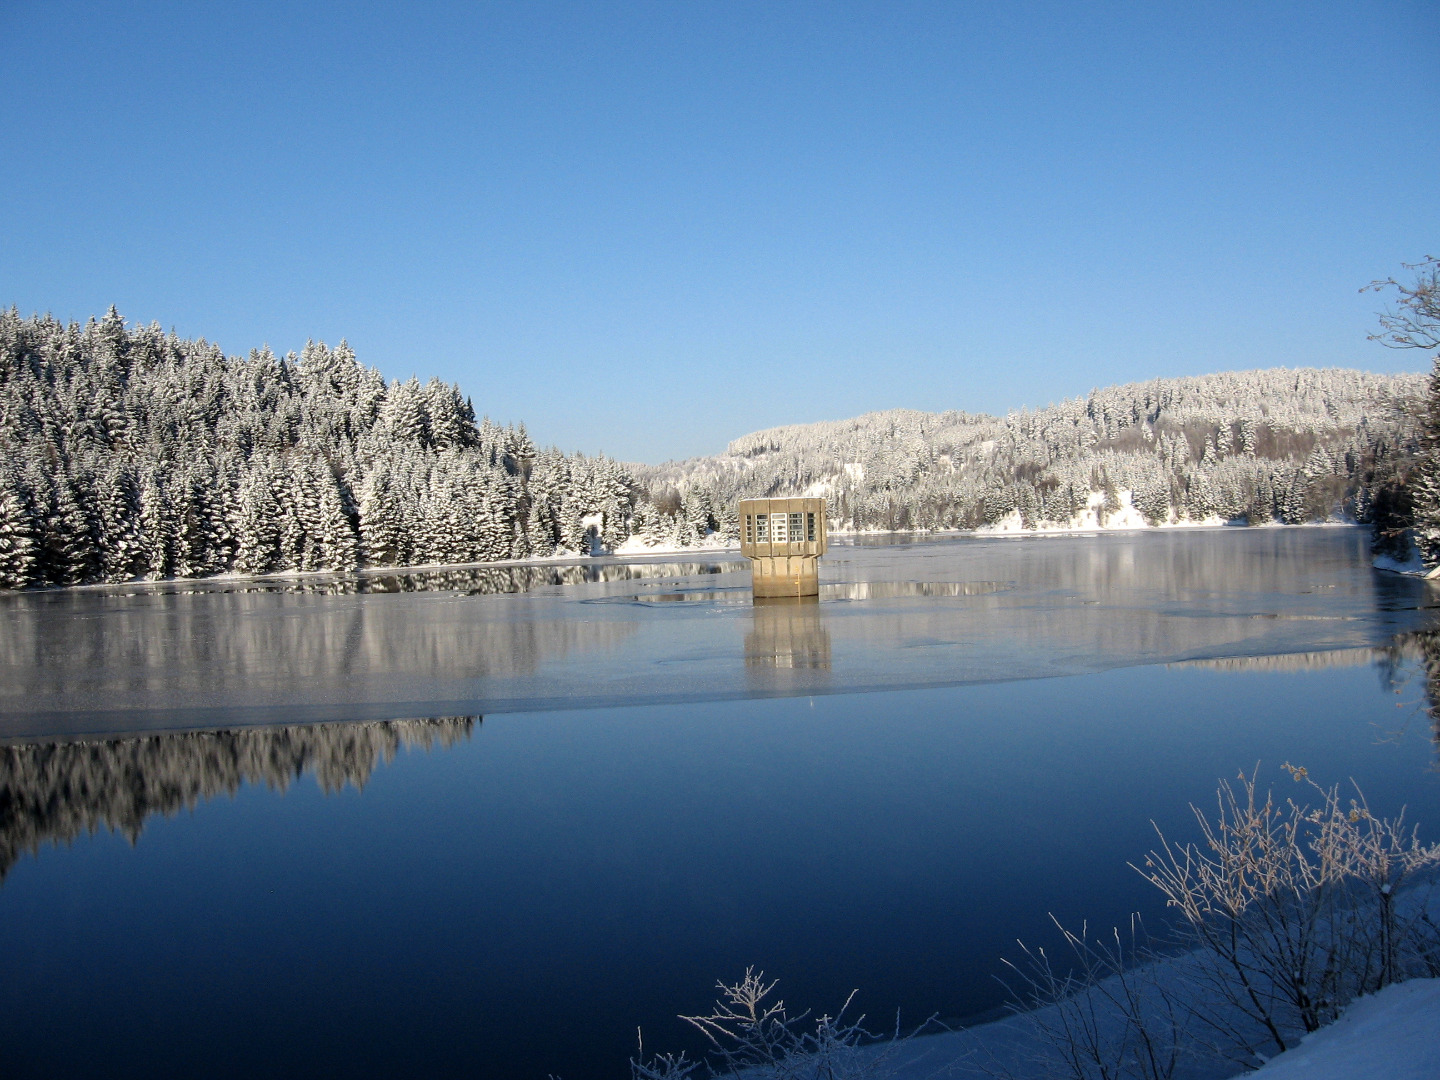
(131, 453)
(1273, 445)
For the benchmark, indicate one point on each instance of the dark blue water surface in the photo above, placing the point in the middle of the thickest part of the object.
(514, 895)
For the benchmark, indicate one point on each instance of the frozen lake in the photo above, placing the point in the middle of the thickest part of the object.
(880, 790)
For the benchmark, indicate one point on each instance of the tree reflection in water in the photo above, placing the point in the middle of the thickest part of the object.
(1409, 656)
(53, 793)
(475, 580)
(1412, 654)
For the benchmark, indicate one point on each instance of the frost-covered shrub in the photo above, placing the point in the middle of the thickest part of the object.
(753, 1036)
(1296, 909)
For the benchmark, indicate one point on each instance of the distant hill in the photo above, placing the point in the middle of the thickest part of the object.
(1277, 444)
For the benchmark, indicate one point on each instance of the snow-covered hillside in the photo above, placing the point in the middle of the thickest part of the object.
(1278, 444)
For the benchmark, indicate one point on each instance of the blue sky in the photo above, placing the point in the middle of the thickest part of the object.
(649, 228)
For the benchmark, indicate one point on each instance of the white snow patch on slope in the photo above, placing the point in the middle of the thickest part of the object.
(1088, 520)
(1392, 1035)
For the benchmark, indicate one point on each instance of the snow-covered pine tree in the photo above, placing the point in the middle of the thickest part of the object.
(335, 544)
(71, 551)
(257, 523)
(699, 512)
(295, 506)
(382, 524)
(17, 536)
(200, 532)
(444, 409)
(121, 553)
(403, 413)
(1152, 499)
(157, 527)
(728, 516)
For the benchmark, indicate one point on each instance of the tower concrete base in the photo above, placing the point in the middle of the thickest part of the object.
(785, 575)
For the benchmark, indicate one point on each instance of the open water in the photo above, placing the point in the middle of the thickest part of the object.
(488, 821)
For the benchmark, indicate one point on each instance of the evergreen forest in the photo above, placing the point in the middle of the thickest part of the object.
(130, 453)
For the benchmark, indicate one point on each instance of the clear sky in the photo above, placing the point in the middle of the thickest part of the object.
(649, 228)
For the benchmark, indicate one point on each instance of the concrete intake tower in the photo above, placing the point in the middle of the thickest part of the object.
(783, 539)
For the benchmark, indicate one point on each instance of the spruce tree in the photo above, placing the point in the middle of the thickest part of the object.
(72, 552)
(1424, 480)
(257, 525)
(381, 521)
(17, 537)
(157, 528)
(121, 554)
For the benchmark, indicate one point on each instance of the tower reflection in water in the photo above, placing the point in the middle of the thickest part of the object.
(787, 647)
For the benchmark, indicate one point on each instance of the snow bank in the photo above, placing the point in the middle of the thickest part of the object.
(1410, 563)
(1392, 1035)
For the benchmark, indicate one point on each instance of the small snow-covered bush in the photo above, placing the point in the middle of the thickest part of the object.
(1296, 908)
(753, 1036)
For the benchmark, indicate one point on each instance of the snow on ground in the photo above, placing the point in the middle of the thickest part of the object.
(1392, 1035)
(638, 545)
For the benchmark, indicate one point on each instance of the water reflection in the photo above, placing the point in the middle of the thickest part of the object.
(1407, 658)
(476, 580)
(841, 590)
(53, 793)
(111, 665)
(894, 590)
(788, 633)
(1417, 653)
(1301, 661)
